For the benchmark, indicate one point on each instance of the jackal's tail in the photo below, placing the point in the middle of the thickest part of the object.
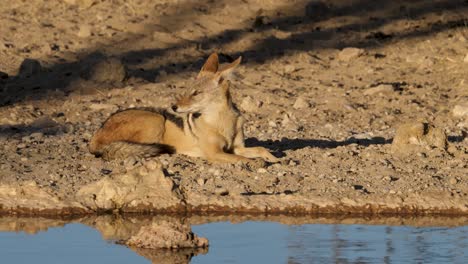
(125, 149)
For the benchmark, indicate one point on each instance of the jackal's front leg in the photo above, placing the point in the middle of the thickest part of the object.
(252, 152)
(256, 152)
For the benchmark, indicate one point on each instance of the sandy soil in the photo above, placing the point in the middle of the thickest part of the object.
(324, 86)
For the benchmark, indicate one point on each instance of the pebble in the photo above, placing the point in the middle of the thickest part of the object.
(301, 103)
(249, 104)
(350, 53)
(80, 3)
(201, 181)
(288, 69)
(84, 32)
(29, 67)
(221, 191)
(460, 110)
(453, 180)
(37, 135)
(21, 146)
(261, 170)
(98, 106)
(380, 89)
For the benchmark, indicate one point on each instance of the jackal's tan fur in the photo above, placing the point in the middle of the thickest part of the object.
(210, 125)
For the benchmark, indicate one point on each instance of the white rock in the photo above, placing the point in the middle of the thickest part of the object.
(301, 103)
(84, 32)
(380, 89)
(289, 69)
(348, 54)
(96, 106)
(460, 110)
(250, 105)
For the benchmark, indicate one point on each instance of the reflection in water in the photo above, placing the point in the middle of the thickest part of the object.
(376, 244)
(262, 239)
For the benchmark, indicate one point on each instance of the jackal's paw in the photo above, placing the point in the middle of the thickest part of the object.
(254, 164)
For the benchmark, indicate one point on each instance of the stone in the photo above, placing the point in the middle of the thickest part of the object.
(249, 104)
(410, 136)
(81, 3)
(84, 31)
(30, 196)
(348, 54)
(465, 60)
(460, 110)
(105, 70)
(44, 122)
(37, 135)
(168, 235)
(101, 106)
(29, 67)
(301, 103)
(288, 69)
(144, 188)
(380, 89)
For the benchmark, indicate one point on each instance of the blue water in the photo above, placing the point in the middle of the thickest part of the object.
(255, 242)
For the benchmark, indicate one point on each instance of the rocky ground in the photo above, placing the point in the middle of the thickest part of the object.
(324, 86)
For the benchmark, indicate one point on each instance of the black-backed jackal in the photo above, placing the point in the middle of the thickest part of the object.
(204, 123)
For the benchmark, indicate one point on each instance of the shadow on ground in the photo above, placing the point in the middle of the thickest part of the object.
(319, 25)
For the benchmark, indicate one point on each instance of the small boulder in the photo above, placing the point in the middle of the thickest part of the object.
(168, 235)
(348, 54)
(250, 105)
(380, 89)
(413, 135)
(105, 70)
(29, 67)
(460, 110)
(84, 31)
(301, 103)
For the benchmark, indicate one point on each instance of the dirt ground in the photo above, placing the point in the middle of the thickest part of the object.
(324, 85)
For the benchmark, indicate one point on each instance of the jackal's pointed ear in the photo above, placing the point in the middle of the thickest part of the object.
(211, 65)
(225, 71)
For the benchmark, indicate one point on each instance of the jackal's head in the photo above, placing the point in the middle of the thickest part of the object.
(210, 91)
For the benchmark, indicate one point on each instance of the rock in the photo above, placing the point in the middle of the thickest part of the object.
(97, 107)
(380, 89)
(29, 67)
(29, 196)
(221, 191)
(248, 104)
(81, 3)
(145, 188)
(44, 122)
(412, 135)
(348, 54)
(165, 234)
(465, 60)
(280, 34)
(460, 110)
(21, 146)
(301, 103)
(453, 180)
(105, 70)
(84, 32)
(261, 170)
(201, 181)
(37, 135)
(288, 69)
